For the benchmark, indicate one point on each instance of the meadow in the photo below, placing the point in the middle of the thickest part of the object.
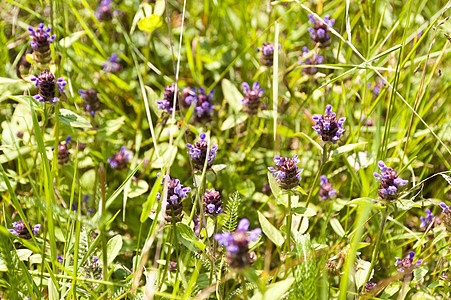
(176, 149)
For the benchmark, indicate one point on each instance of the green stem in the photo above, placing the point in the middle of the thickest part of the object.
(243, 283)
(289, 221)
(378, 240)
(213, 258)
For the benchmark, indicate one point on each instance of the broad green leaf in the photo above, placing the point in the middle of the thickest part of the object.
(275, 189)
(138, 188)
(232, 95)
(275, 290)
(270, 231)
(246, 188)
(159, 7)
(153, 98)
(24, 254)
(391, 290)
(113, 248)
(151, 23)
(406, 204)
(336, 226)
(305, 212)
(186, 235)
(362, 271)
(147, 206)
(233, 120)
(345, 149)
(69, 40)
(70, 118)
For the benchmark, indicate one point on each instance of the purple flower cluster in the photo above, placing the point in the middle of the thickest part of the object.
(252, 97)
(168, 98)
(112, 64)
(41, 43)
(91, 101)
(267, 50)
(21, 230)
(105, 11)
(326, 190)
(63, 152)
(212, 203)
(198, 153)
(176, 194)
(46, 84)
(405, 264)
(389, 182)
(310, 59)
(119, 160)
(198, 97)
(237, 244)
(328, 127)
(447, 216)
(92, 268)
(319, 33)
(286, 172)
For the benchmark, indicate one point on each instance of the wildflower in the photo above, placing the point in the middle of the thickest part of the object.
(41, 43)
(252, 97)
(63, 153)
(60, 259)
(198, 153)
(379, 85)
(84, 205)
(112, 64)
(119, 160)
(447, 218)
(91, 101)
(326, 190)
(176, 194)
(369, 286)
(198, 97)
(237, 244)
(21, 230)
(328, 127)
(286, 172)
(389, 182)
(267, 50)
(46, 84)
(92, 268)
(320, 31)
(405, 264)
(212, 202)
(310, 59)
(426, 222)
(168, 99)
(104, 11)
(196, 221)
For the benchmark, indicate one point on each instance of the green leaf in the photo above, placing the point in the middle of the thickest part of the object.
(233, 120)
(232, 95)
(186, 235)
(151, 23)
(362, 271)
(147, 206)
(391, 290)
(336, 226)
(303, 211)
(24, 254)
(246, 188)
(406, 204)
(275, 290)
(113, 248)
(270, 231)
(138, 188)
(159, 7)
(70, 118)
(346, 148)
(275, 189)
(153, 98)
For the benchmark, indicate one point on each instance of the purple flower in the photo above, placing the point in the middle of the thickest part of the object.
(286, 172)
(252, 97)
(389, 182)
(311, 60)
(60, 259)
(84, 205)
(369, 286)
(198, 153)
(105, 11)
(119, 160)
(379, 85)
(267, 50)
(326, 190)
(21, 230)
(41, 43)
(212, 203)
(63, 152)
(319, 33)
(328, 127)
(405, 264)
(91, 101)
(176, 194)
(168, 99)
(112, 64)
(237, 244)
(447, 216)
(430, 219)
(46, 84)
(198, 97)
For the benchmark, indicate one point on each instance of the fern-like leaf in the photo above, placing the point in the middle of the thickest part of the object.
(232, 211)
